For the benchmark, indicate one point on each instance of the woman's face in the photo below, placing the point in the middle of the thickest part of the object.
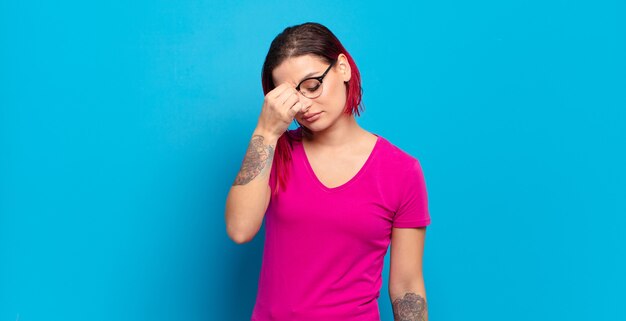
(331, 103)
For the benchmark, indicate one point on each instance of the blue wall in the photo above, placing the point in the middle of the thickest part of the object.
(123, 124)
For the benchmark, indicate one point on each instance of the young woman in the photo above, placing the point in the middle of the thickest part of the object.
(333, 195)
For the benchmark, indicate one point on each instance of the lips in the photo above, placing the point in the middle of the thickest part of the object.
(311, 116)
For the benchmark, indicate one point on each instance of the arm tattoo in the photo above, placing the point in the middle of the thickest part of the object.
(257, 156)
(410, 308)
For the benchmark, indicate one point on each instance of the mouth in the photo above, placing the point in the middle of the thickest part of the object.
(312, 117)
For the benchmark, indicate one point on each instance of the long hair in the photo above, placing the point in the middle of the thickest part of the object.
(309, 38)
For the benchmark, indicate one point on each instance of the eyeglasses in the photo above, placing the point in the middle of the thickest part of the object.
(312, 87)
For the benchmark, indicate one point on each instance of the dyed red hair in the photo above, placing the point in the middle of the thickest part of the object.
(306, 39)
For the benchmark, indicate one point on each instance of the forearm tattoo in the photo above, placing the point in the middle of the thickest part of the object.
(257, 157)
(410, 308)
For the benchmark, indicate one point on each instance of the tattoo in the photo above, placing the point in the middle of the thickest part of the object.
(410, 308)
(257, 156)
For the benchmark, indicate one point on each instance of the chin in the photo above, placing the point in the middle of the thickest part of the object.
(310, 127)
(318, 125)
(315, 127)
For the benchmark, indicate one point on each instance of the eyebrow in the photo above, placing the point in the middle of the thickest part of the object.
(308, 75)
(305, 76)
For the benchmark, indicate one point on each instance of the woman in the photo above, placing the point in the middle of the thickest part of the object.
(334, 197)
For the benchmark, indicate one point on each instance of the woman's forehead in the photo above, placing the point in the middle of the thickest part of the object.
(294, 69)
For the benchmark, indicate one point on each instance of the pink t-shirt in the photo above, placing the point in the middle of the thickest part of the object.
(325, 247)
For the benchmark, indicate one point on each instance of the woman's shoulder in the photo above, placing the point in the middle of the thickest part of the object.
(394, 154)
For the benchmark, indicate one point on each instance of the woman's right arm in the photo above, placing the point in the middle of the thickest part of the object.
(250, 194)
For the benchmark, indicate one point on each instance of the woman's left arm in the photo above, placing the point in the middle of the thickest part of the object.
(406, 281)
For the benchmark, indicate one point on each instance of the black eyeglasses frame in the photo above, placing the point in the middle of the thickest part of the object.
(320, 79)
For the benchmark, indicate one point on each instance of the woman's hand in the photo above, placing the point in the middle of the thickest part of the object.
(280, 106)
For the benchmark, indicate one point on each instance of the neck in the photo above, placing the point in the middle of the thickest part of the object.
(339, 135)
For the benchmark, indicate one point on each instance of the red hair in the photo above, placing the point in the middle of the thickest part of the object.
(306, 39)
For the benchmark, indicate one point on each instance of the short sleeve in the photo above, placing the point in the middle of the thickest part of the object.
(413, 205)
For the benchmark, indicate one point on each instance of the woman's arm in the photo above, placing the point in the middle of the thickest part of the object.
(406, 281)
(249, 195)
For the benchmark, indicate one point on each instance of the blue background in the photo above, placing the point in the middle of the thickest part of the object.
(123, 125)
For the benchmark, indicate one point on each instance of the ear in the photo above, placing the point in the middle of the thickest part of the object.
(343, 67)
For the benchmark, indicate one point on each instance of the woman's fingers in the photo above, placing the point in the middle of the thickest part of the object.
(287, 100)
(296, 108)
(290, 101)
(278, 91)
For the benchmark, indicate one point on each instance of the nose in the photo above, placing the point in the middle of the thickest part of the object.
(306, 103)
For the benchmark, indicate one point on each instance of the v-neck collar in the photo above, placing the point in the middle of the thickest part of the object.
(325, 188)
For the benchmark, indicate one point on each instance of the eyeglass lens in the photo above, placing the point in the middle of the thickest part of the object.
(311, 88)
